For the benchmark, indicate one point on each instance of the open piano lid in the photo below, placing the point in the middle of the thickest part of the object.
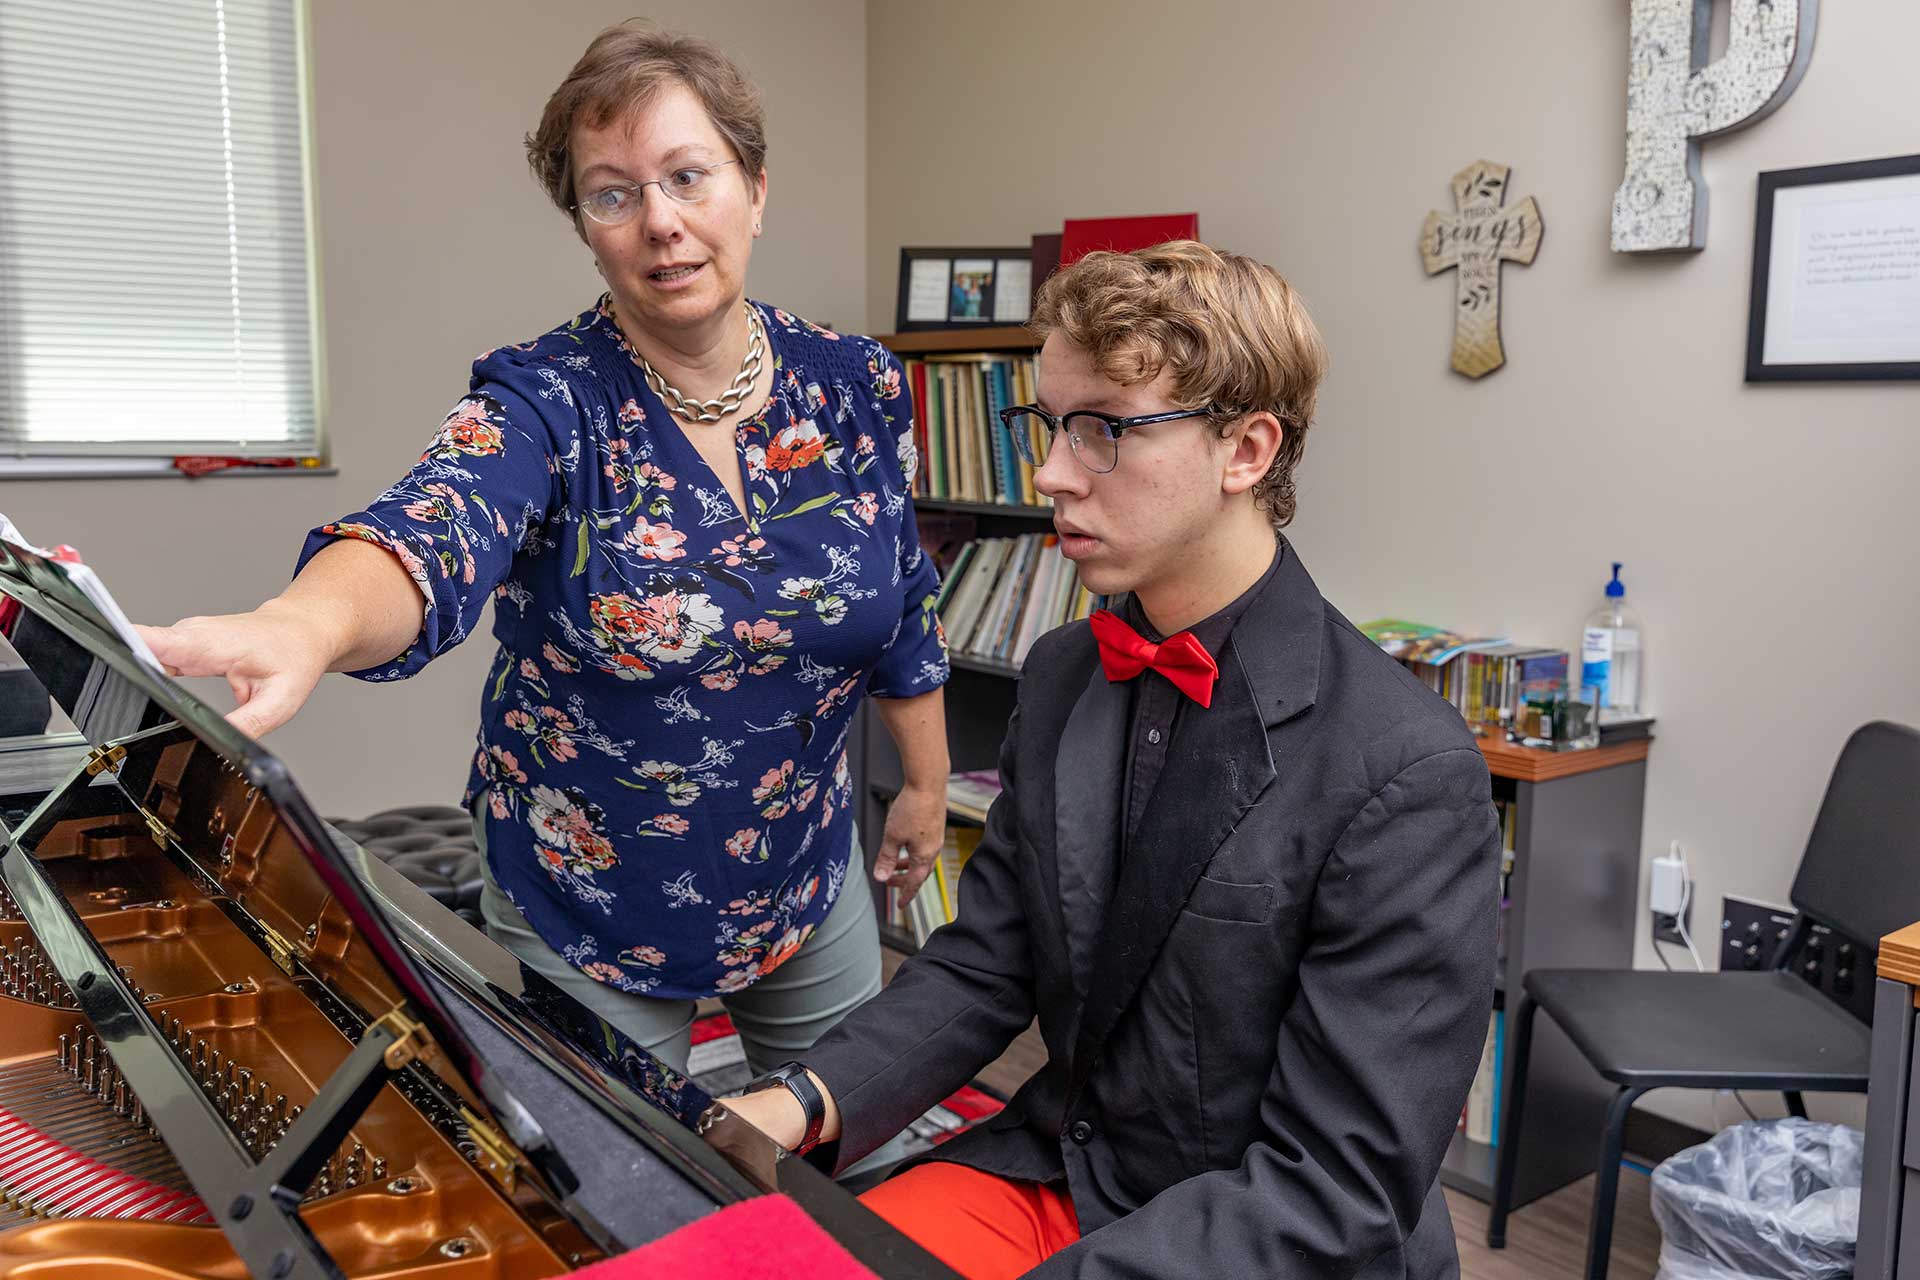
(621, 1147)
(146, 732)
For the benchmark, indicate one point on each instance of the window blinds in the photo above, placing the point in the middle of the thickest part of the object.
(155, 273)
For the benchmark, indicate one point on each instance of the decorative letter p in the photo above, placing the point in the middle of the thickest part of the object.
(1673, 101)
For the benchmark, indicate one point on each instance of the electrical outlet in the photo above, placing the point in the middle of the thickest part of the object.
(1666, 928)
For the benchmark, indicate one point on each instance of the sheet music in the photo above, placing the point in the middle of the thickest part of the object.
(89, 584)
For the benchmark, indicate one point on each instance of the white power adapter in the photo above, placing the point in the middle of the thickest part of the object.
(1667, 891)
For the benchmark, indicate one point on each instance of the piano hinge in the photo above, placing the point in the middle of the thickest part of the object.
(409, 1038)
(162, 834)
(105, 760)
(498, 1158)
(279, 948)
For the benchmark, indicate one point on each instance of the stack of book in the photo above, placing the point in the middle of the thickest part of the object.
(971, 794)
(1483, 677)
(1002, 594)
(966, 454)
(1480, 1118)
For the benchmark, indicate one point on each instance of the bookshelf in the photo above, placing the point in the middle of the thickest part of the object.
(1573, 896)
(980, 692)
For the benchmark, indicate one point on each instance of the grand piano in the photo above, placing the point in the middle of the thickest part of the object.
(231, 1043)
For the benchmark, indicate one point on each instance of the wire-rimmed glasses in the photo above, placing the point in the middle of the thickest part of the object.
(620, 202)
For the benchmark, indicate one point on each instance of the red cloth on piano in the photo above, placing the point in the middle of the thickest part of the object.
(765, 1238)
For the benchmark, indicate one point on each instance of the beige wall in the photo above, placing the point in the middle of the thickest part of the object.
(435, 244)
(1767, 533)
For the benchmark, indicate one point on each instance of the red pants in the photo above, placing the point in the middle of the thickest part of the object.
(984, 1227)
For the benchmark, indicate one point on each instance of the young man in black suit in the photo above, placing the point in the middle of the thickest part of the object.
(1243, 868)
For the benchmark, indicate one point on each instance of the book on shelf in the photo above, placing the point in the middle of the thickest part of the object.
(1002, 594)
(1480, 1119)
(966, 452)
(972, 793)
(1081, 236)
(937, 901)
(1481, 676)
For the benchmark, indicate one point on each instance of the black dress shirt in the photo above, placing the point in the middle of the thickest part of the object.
(1157, 701)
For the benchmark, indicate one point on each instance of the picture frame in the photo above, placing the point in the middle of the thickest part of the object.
(963, 288)
(1836, 274)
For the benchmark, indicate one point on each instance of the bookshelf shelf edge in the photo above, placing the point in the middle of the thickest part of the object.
(937, 341)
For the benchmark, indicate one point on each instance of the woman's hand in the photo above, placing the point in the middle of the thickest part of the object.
(916, 828)
(353, 606)
(272, 658)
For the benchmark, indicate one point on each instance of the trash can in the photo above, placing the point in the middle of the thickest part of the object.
(1770, 1200)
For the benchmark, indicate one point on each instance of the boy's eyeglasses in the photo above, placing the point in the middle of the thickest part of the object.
(1093, 437)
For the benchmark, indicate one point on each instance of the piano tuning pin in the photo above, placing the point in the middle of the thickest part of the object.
(139, 1113)
(120, 1097)
(246, 1081)
(63, 1053)
(379, 1169)
(232, 1072)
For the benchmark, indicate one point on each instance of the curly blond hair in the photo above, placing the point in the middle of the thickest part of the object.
(1232, 331)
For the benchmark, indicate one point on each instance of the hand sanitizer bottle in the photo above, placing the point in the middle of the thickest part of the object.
(1610, 652)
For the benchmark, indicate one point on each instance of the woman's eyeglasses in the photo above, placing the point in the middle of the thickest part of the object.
(1093, 437)
(620, 203)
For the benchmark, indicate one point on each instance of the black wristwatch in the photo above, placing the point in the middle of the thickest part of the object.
(794, 1076)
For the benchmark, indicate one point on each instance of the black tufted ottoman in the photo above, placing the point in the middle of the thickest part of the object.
(431, 845)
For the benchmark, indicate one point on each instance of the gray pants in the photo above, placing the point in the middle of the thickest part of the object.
(779, 1017)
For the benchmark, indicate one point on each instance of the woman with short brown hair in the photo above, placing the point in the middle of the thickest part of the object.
(692, 515)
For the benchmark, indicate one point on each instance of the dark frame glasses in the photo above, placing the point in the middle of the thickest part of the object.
(1083, 427)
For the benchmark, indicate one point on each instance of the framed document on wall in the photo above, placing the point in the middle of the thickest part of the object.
(1836, 273)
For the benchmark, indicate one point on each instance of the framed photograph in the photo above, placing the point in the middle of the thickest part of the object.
(964, 288)
(1836, 273)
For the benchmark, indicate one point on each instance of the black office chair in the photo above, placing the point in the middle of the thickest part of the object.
(1766, 1029)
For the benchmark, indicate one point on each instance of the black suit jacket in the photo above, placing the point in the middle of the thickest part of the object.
(1259, 1048)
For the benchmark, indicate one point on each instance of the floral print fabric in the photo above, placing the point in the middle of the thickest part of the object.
(663, 729)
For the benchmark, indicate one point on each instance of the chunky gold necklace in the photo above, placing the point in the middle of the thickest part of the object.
(737, 391)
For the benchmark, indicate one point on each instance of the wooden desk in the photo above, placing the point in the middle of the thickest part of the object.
(1531, 764)
(1889, 1247)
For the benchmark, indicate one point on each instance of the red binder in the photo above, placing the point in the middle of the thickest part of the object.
(1081, 236)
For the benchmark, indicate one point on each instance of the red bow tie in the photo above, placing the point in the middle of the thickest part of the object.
(1125, 653)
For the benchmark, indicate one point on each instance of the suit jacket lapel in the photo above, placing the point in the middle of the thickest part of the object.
(1217, 765)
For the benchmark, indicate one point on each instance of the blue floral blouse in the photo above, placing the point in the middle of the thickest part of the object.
(663, 731)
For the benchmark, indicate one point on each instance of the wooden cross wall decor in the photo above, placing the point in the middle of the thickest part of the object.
(1476, 239)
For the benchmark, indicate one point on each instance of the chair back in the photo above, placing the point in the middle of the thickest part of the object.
(1861, 872)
